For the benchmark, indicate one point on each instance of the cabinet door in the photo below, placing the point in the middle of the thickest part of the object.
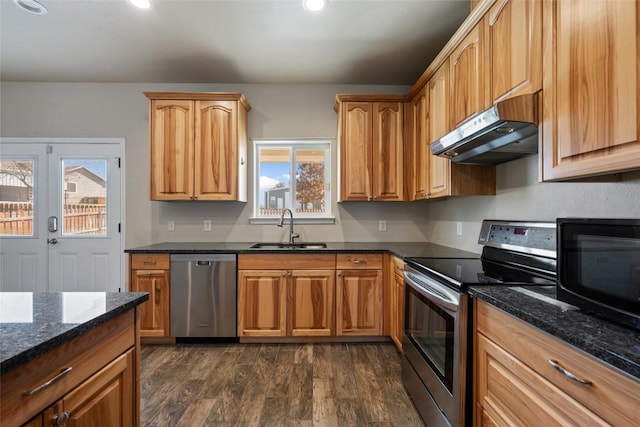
(171, 149)
(418, 147)
(105, 399)
(355, 151)
(359, 302)
(262, 303)
(387, 151)
(515, 43)
(468, 87)
(154, 313)
(591, 79)
(439, 167)
(397, 310)
(310, 305)
(216, 150)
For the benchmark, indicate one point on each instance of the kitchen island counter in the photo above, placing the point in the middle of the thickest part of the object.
(33, 323)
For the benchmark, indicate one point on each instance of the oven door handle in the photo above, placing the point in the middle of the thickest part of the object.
(433, 290)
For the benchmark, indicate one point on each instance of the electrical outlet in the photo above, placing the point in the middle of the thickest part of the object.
(207, 225)
(382, 225)
(459, 228)
(171, 225)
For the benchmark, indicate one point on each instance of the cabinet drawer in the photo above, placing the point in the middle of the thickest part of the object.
(150, 261)
(286, 261)
(358, 261)
(611, 395)
(397, 265)
(85, 354)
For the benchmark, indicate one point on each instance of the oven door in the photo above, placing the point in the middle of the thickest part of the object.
(435, 341)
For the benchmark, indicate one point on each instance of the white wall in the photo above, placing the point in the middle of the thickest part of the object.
(288, 111)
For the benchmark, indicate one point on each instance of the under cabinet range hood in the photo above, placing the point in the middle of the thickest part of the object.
(506, 131)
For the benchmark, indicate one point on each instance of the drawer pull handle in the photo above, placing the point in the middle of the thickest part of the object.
(566, 373)
(359, 261)
(149, 262)
(53, 380)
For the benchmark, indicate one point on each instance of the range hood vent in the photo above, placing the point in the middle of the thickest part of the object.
(506, 131)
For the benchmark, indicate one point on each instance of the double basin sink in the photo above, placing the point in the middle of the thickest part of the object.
(289, 246)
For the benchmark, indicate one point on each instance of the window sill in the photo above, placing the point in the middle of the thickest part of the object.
(276, 220)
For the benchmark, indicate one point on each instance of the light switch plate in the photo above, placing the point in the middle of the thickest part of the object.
(382, 225)
(207, 225)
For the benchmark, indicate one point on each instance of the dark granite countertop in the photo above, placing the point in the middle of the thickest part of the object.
(32, 323)
(616, 345)
(401, 249)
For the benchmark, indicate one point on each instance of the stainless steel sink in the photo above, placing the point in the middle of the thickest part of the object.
(289, 246)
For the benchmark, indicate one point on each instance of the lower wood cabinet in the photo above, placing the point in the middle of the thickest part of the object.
(359, 307)
(286, 302)
(395, 278)
(516, 384)
(150, 273)
(91, 380)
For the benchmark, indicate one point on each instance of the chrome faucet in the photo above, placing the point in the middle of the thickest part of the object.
(292, 235)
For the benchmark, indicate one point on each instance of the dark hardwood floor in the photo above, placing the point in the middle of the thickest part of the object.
(274, 385)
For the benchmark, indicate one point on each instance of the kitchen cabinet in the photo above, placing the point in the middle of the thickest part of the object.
(150, 273)
(359, 290)
(468, 91)
(98, 375)
(417, 146)
(395, 279)
(198, 146)
(370, 134)
(514, 48)
(104, 399)
(286, 295)
(447, 178)
(591, 78)
(516, 384)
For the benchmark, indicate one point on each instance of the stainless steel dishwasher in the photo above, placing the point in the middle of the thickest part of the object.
(203, 297)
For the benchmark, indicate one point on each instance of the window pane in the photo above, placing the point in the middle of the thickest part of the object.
(84, 193)
(310, 181)
(16, 197)
(274, 171)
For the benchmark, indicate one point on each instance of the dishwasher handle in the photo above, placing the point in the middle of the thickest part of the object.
(203, 259)
(203, 263)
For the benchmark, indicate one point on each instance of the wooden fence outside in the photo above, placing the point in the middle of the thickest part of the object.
(16, 219)
(275, 212)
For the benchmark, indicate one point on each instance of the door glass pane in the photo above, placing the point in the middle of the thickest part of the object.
(310, 181)
(84, 193)
(16, 197)
(275, 180)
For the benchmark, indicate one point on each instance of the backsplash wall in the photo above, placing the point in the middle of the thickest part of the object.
(289, 111)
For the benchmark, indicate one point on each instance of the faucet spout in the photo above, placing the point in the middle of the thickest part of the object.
(292, 235)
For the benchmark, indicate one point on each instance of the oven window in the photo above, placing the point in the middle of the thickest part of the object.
(431, 330)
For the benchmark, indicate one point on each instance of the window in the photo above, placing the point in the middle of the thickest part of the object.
(295, 175)
(72, 187)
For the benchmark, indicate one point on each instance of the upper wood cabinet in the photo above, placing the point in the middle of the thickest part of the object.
(468, 90)
(417, 148)
(446, 178)
(198, 146)
(514, 48)
(591, 87)
(370, 135)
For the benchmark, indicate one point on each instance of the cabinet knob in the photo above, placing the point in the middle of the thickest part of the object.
(60, 420)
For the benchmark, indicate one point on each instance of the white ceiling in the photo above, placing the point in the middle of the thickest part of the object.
(215, 41)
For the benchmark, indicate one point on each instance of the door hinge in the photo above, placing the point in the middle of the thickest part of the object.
(118, 162)
(119, 227)
(49, 149)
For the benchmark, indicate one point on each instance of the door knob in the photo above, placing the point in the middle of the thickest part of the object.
(53, 241)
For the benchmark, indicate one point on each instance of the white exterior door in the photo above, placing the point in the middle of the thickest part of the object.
(75, 243)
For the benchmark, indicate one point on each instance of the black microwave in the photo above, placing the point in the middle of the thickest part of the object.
(599, 267)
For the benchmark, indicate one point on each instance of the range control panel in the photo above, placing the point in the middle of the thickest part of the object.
(534, 237)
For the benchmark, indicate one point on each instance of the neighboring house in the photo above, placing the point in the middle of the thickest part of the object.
(13, 189)
(275, 198)
(83, 186)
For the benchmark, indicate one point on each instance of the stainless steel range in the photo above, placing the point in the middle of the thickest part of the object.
(438, 323)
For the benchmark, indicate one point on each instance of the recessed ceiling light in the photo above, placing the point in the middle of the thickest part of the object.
(31, 6)
(314, 5)
(142, 4)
